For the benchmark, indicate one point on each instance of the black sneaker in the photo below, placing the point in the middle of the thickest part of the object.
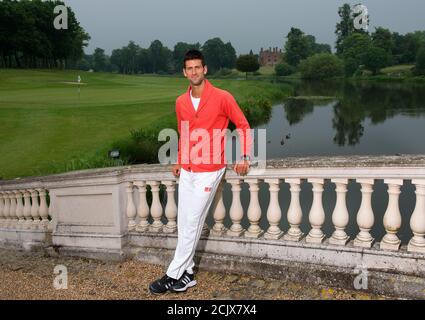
(186, 281)
(162, 285)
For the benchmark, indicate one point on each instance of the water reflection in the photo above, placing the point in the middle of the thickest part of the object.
(363, 117)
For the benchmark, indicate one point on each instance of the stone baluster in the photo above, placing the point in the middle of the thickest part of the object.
(142, 208)
(274, 213)
(317, 214)
(254, 210)
(6, 208)
(294, 212)
(219, 213)
(365, 216)
(156, 207)
(392, 216)
(34, 210)
(417, 221)
(340, 215)
(19, 210)
(131, 208)
(12, 211)
(236, 210)
(43, 210)
(27, 210)
(2, 204)
(170, 208)
(50, 213)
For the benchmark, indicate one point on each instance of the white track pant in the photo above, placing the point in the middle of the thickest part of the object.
(196, 194)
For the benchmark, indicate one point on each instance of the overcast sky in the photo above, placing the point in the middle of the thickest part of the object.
(247, 24)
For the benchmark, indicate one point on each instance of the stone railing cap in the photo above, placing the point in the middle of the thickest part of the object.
(290, 162)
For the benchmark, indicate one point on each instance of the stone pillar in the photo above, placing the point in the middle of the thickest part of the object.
(392, 217)
(274, 213)
(254, 210)
(340, 215)
(2, 203)
(156, 208)
(219, 212)
(19, 210)
(34, 210)
(417, 221)
(27, 210)
(236, 210)
(6, 208)
(294, 211)
(131, 208)
(43, 211)
(142, 208)
(365, 217)
(317, 214)
(170, 208)
(12, 210)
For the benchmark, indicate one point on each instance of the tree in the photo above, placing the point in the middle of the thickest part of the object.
(315, 47)
(420, 62)
(354, 48)
(296, 47)
(247, 63)
(159, 57)
(321, 66)
(228, 57)
(375, 58)
(344, 28)
(219, 55)
(99, 59)
(28, 38)
(383, 38)
(180, 50)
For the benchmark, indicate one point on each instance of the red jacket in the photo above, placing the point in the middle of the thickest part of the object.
(202, 132)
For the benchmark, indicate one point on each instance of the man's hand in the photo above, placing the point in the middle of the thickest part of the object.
(176, 170)
(242, 167)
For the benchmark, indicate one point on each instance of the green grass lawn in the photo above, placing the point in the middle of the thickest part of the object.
(45, 122)
(401, 69)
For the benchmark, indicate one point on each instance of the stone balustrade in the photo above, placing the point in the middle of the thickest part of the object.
(25, 209)
(274, 178)
(280, 213)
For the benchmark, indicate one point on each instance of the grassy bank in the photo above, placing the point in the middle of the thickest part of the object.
(48, 126)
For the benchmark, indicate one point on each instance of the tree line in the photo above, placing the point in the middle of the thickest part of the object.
(357, 50)
(159, 59)
(28, 38)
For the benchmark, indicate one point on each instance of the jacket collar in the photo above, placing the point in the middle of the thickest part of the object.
(206, 94)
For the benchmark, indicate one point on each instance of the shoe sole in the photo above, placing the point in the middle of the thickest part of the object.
(155, 292)
(189, 285)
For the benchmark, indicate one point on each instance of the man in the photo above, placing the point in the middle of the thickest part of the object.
(202, 112)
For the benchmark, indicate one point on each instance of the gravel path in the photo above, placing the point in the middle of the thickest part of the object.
(31, 276)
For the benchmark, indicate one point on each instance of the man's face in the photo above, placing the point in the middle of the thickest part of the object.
(195, 72)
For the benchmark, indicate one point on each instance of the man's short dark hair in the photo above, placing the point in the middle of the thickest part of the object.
(193, 54)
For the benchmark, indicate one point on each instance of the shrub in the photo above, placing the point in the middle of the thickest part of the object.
(321, 66)
(284, 69)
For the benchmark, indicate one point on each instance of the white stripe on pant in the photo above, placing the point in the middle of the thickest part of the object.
(196, 193)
